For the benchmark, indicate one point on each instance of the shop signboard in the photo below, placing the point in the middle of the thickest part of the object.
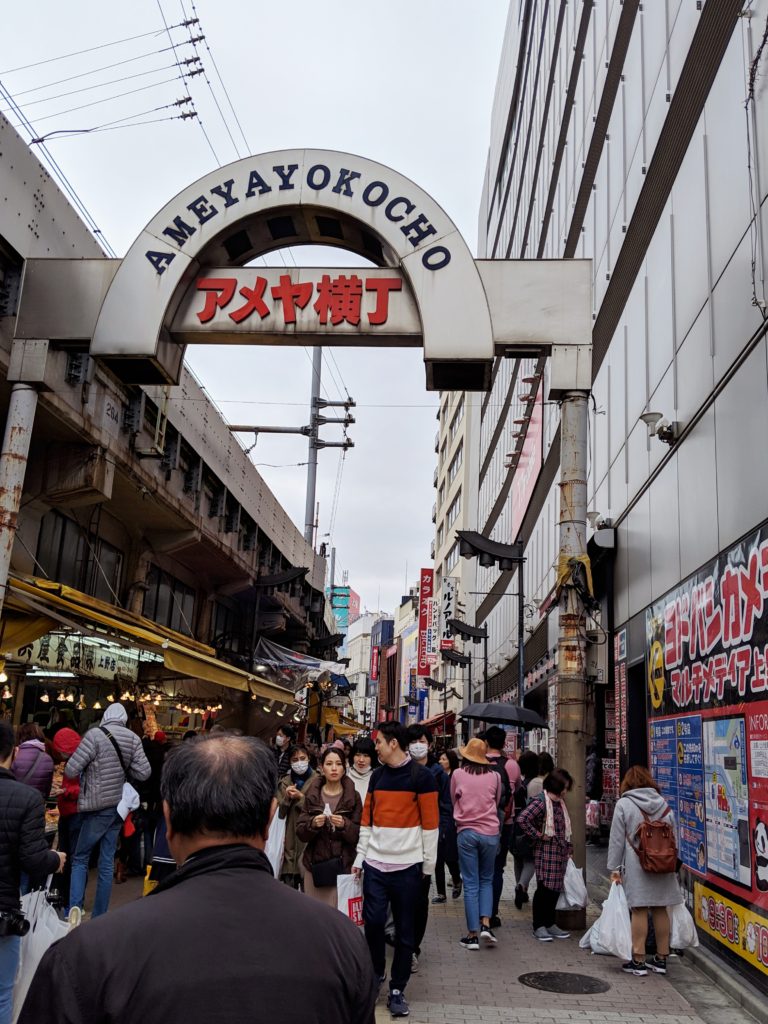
(447, 612)
(707, 695)
(375, 662)
(426, 610)
(84, 656)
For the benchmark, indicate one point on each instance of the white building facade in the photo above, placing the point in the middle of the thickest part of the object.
(637, 136)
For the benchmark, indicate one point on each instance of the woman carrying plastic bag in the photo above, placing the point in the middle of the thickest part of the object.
(574, 892)
(642, 856)
(611, 934)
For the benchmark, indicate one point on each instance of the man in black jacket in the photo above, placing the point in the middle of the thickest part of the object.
(219, 941)
(22, 848)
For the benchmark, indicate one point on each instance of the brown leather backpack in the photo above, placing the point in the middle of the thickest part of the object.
(655, 845)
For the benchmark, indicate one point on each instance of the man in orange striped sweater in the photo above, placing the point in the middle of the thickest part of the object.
(397, 848)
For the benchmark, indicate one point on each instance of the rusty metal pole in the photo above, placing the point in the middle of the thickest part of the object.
(571, 644)
(13, 465)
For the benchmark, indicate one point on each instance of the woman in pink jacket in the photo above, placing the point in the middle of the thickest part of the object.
(476, 792)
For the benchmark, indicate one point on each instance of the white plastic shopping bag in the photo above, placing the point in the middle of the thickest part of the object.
(275, 844)
(612, 931)
(349, 889)
(683, 932)
(45, 928)
(574, 892)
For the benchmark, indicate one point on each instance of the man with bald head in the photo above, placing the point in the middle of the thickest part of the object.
(220, 940)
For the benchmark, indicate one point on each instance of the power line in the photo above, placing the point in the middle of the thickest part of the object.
(95, 71)
(213, 94)
(98, 85)
(175, 54)
(53, 164)
(107, 99)
(90, 49)
(218, 74)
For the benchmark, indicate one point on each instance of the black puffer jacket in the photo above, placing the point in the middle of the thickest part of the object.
(22, 838)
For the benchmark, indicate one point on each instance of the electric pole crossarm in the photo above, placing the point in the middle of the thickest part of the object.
(241, 428)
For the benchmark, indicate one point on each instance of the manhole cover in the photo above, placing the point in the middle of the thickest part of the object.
(559, 981)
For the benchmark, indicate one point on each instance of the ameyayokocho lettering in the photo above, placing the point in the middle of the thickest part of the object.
(344, 181)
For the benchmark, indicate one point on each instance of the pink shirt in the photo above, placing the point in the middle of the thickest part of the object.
(476, 800)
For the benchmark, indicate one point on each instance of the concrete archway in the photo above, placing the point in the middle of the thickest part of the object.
(292, 197)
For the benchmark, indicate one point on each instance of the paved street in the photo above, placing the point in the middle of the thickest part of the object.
(454, 986)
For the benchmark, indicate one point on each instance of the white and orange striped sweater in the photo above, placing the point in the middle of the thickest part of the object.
(400, 823)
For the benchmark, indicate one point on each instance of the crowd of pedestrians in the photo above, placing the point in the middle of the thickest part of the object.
(392, 813)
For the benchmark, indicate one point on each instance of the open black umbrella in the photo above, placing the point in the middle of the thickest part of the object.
(504, 714)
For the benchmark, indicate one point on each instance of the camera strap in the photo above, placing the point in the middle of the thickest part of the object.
(30, 771)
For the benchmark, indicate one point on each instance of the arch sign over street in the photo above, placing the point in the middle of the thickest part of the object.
(186, 279)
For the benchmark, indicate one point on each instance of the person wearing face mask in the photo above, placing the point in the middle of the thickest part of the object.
(419, 744)
(284, 740)
(329, 823)
(290, 798)
(364, 760)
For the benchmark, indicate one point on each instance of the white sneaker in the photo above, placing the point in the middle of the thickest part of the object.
(74, 917)
(414, 964)
(542, 934)
(558, 933)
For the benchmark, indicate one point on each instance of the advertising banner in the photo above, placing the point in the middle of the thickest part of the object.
(529, 466)
(707, 692)
(426, 625)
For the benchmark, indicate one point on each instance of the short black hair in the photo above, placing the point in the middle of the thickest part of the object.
(7, 739)
(287, 730)
(395, 731)
(495, 737)
(365, 745)
(190, 734)
(416, 731)
(546, 764)
(220, 786)
(558, 781)
(528, 763)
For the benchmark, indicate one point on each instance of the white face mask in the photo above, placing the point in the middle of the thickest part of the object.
(300, 767)
(418, 750)
(279, 741)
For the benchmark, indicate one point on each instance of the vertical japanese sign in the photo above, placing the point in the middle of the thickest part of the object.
(447, 611)
(375, 662)
(707, 695)
(426, 593)
(529, 465)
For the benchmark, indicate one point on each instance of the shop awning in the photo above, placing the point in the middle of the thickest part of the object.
(35, 606)
(446, 719)
(342, 725)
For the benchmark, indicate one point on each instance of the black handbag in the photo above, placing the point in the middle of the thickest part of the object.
(325, 872)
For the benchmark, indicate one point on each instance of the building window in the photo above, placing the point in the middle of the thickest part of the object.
(453, 510)
(456, 421)
(66, 553)
(440, 537)
(169, 602)
(451, 559)
(441, 495)
(456, 462)
(442, 453)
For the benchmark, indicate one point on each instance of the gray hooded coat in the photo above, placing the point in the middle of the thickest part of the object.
(642, 888)
(96, 761)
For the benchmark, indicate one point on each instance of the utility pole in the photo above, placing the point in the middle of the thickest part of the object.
(571, 644)
(311, 431)
(309, 507)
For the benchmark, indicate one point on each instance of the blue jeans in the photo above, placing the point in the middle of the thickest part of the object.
(10, 947)
(95, 826)
(477, 856)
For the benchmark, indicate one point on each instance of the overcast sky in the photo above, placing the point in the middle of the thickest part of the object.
(408, 83)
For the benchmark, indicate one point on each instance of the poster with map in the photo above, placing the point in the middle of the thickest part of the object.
(727, 799)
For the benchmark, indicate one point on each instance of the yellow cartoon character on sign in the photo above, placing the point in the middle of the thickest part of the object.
(656, 680)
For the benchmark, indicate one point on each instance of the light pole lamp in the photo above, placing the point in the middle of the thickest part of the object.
(475, 634)
(490, 552)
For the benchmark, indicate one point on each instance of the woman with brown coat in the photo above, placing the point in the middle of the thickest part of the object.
(329, 824)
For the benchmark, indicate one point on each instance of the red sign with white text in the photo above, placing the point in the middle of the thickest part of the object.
(426, 590)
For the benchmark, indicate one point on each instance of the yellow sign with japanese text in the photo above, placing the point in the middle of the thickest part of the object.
(742, 930)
